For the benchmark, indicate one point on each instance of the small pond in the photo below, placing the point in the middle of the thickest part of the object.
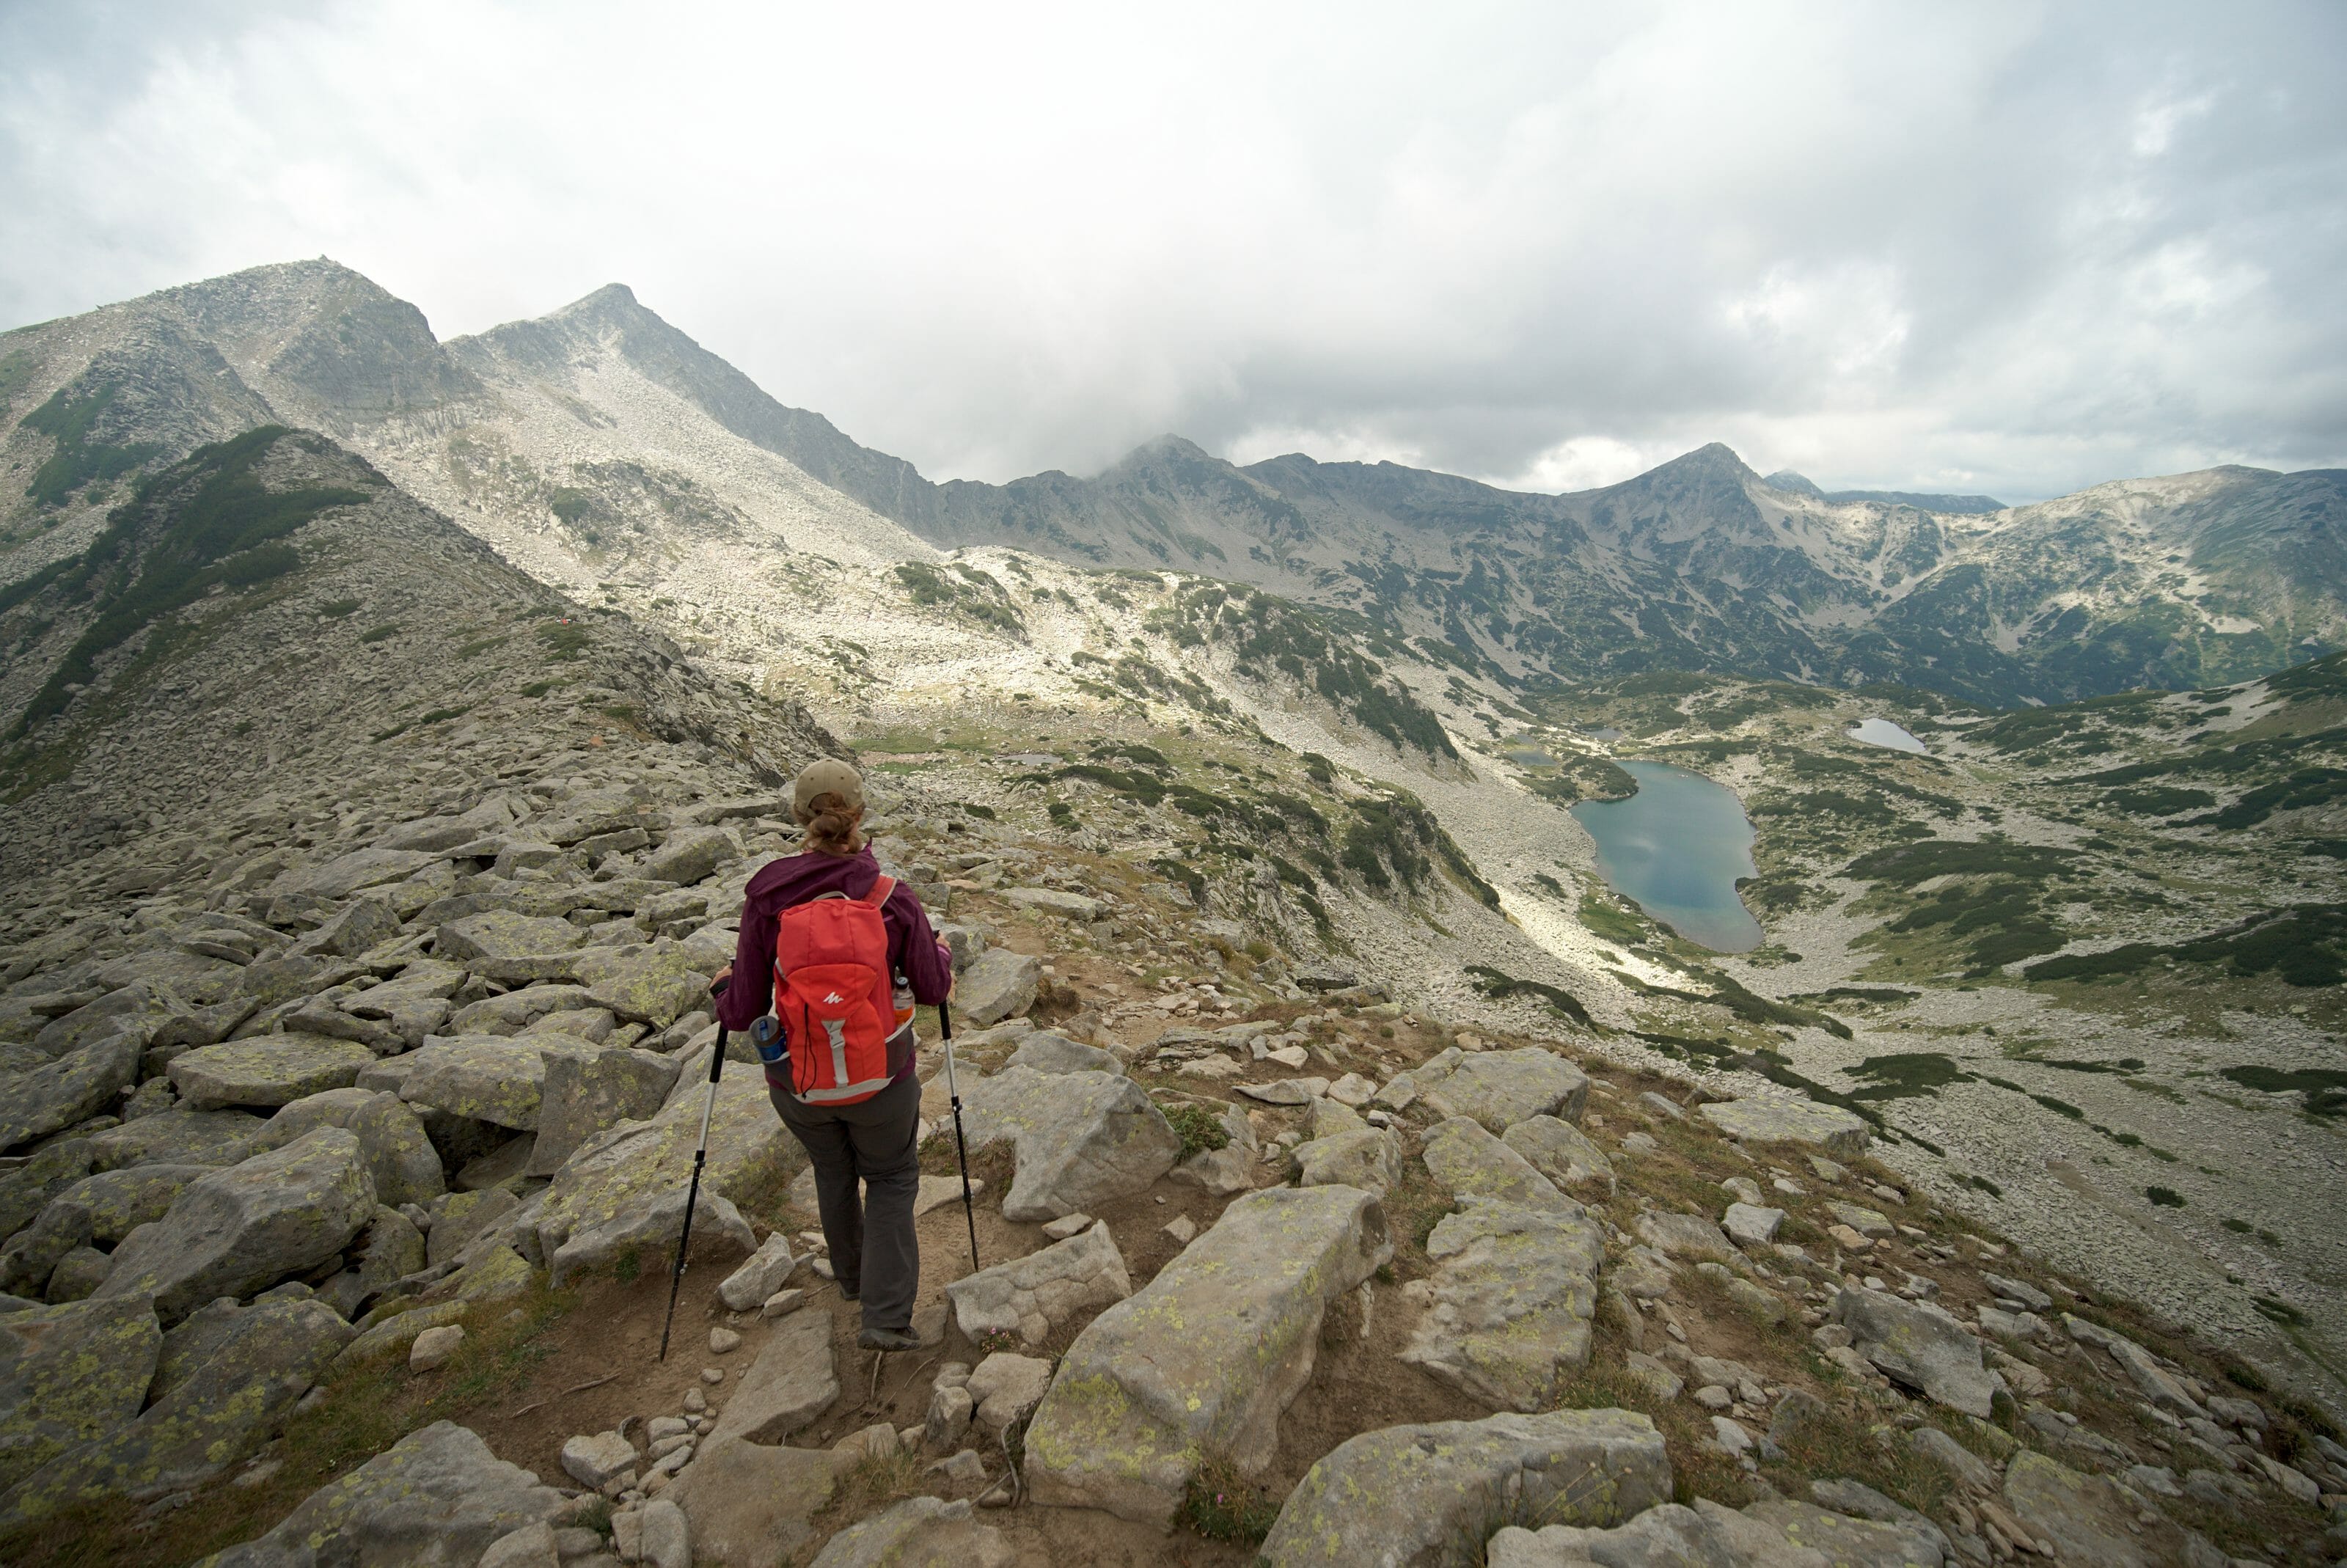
(1676, 849)
(1528, 757)
(1884, 733)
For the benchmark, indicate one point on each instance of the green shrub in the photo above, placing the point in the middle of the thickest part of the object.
(564, 641)
(2165, 1197)
(377, 633)
(1200, 1129)
(337, 609)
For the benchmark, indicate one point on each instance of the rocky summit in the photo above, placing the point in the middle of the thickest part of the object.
(1355, 1174)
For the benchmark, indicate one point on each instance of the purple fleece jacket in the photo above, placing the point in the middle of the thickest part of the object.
(914, 950)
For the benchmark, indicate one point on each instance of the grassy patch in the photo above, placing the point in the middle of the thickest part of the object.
(1201, 1130)
(334, 610)
(1221, 1504)
(389, 628)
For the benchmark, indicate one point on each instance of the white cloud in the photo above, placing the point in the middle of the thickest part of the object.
(2038, 246)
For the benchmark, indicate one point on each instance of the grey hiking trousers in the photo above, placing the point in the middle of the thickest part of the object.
(875, 1141)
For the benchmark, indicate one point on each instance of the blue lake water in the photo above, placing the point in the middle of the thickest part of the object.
(1528, 757)
(1676, 849)
(1884, 733)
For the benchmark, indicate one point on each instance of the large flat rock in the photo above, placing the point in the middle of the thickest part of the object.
(1502, 1087)
(1000, 984)
(483, 1077)
(269, 1069)
(1423, 1496)
(792, 1383)
(72, 1089)
(1079, 1140)
(438, 1497)
(242, 1230)
(220, 1404)
(178, 1137)
(1205, 1356)
(1561, 1151)
(918, 1532)
(1921, 1346)
(1468, 1162)
(399, 1154)
(748, 1503)
(69, 1374)
(586, 1092)
(1828, 1128)
(2086, 1518)
(1514, 1291)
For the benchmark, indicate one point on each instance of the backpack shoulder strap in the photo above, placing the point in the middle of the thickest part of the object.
(879, 892)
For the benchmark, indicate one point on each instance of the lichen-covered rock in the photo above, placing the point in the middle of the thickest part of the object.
(585, 1092)
(1000, 984)
(1423, 1496)
(1369, 1158)
(214, 1409)
(1828, 1128)
(348, 874)
(633, 1166)
(1675, 1234)
(1514, 1291)
(918, 1532)
(653, 1230)
(688, 854)
(1502, 1087)
(1468, 1162)
(391, 1250)
(459, 1217)
(1033, 1294)
(2086, 1518)
(48, 1172)
(654, 988)
(269, 1069)
(1046, 1052)
(396, 1333)
(237, 1231)
(1205, 1356)
(137, 1009)
(1080, 1140)
(1560, 1150)
(1920, 1345)
(177, 1137)
(436, 1499)
(69, 1374)
(1229, 1169)
(72, 1089)
(483, 1077)
(480, 942)
(399, 1154)
(1769, 1534)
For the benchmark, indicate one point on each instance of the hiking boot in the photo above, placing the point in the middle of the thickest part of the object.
(849, 1292)
(889, 1339)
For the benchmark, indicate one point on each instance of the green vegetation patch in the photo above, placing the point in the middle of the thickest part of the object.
(2304, 946)
(1906, 1075)
(205, 522)
(1912, 865)
(2323, 1090)
(966, 590)
(1500, 986)
(564, 641)
(1201, 1130)
(2158, 800)
(68, 419)
(336, 609)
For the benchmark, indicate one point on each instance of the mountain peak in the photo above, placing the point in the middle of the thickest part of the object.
(1793, 483)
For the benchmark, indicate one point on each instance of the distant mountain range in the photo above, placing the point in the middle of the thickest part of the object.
(599, 442)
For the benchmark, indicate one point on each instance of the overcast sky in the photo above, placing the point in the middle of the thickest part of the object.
(2016, 249)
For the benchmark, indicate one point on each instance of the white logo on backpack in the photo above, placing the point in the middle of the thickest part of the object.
(833, 999)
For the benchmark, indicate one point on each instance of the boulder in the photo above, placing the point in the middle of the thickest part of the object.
(649, 987)
(1559, 1151)
(1953, 1457)
(268, 1069)
(119, 1202)
(1080, 1140)
(1828, 1128)
(361, 924)
(399, 1154)
(214, 1407)
(617, 1176)
(1871, 1224)
(1048, 1052)
(1229, 1169)
(48, 1172)
(483, 1077)
(1412, 1496)
(438, 1497)
(1919, 1345)
(177, 1137)
(1514, 1291)
(1078, 906)
(586, 1092)
(362, 868)
(688, 855)
(2090, 1521)
(918, 1532)
(1205, 1356)
(1768, 1534)
(139, 1010)
(997, 985)
(459, 1217)
(1468, 1162)
(1676, 1235)
(1751, 1224)
(765, 1272)
(790, 1384)
(512, 947)
(2151, 1380)
(242, 1230)
(391, 1250)
(72, 1089)
(69, 1374)
(749, 1503)
(1502, 1087)
(1035, 1294)
(1005, 1387)
(652, 1231)
(398, 1332)
(591, 1461)
(1369, 1158)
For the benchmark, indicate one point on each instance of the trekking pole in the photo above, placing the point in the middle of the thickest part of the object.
(693, 1193)
(953, 1089)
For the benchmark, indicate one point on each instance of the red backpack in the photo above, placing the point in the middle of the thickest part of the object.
(833, 996)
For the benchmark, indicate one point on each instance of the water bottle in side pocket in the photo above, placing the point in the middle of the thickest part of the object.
(766, 1039)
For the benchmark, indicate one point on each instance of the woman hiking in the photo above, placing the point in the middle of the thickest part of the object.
(841, 954)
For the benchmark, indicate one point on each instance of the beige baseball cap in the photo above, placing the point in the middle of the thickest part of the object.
(826, 775)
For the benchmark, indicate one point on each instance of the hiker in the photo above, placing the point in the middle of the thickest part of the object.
(841, 953)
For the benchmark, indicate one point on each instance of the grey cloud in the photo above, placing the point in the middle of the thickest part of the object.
(2007, 249)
